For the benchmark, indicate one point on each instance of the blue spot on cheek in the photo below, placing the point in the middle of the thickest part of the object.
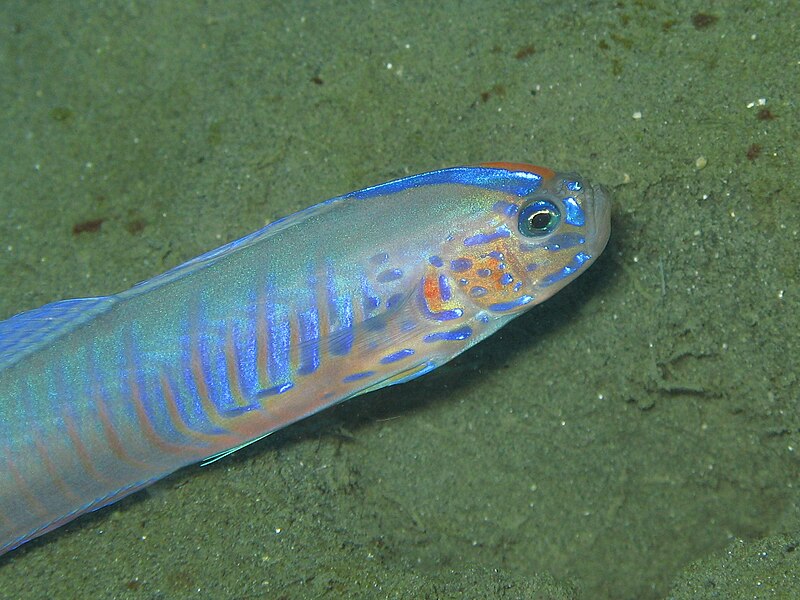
(484, 272)
(390, 275)
(371, 303)
(393, 300)
(435, 261)
(506, 278)
(460, 264)
(575, 215)
(478, 291)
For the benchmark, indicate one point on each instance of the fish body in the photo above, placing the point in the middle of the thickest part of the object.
(101, 396)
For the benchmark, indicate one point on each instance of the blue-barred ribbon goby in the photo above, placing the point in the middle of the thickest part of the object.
(100, 397)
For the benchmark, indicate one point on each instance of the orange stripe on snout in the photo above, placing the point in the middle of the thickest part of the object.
(509, 166)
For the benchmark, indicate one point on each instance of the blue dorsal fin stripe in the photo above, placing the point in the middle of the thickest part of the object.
(491, 178)
(26, 332)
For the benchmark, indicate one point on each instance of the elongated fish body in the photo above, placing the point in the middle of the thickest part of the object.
(102, 396)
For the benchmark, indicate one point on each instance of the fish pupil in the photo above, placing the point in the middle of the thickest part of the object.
(540, 221)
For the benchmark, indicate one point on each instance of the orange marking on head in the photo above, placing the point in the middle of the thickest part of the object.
(432, 292)
(510, 166)
(485, 272)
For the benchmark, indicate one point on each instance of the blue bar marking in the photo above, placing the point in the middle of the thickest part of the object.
(308, 321)
(215, 370)
(444, 288)
(191, 409)
(278, 342)
(340, 309)
(244, 339)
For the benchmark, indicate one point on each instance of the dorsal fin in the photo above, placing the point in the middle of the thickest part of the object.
(211, 257)
(26, 332)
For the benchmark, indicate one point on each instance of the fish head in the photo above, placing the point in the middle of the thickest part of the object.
(536, 232)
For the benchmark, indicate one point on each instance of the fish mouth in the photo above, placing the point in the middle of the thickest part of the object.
(601, 212)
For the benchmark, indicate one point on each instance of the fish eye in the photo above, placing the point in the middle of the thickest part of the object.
(539, 218)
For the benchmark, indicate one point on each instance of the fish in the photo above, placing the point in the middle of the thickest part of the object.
(102, 396)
